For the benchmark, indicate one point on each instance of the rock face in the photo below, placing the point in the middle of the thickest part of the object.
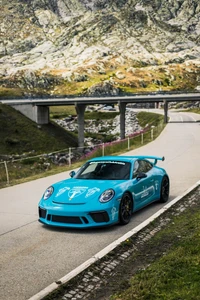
(109, 127)
(76, 47)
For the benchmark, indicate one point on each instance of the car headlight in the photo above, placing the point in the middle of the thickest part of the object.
(107, 195)
(48, 193)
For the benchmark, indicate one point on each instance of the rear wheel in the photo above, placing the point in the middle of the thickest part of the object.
(125, 209)
(164, 190)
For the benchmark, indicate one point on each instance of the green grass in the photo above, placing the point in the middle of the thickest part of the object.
(19, 135)
(62, 111)
(9, 92)
(100, 115)
(176, 274)
(194, 110)
(151, 119)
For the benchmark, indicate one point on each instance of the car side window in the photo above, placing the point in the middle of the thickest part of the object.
(148, 166)
(136, 169)
(141, 166)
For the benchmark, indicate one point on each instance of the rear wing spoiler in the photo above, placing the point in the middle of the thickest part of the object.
(155, 158)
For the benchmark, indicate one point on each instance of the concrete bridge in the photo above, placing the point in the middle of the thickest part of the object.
(38, 109)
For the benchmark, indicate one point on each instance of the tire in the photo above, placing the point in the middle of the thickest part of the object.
(125, 209)
(164, 190)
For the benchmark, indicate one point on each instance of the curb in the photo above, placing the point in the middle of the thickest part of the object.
(109, 248)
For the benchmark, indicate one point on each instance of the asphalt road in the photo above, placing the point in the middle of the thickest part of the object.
(33, 256)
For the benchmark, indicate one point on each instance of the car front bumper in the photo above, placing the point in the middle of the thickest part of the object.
(78, 219)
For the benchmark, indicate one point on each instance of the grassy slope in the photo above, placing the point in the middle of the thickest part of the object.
(176, 273)
(19, 134)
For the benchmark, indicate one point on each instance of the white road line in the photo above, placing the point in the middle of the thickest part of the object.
(192, 118)
(109, 248)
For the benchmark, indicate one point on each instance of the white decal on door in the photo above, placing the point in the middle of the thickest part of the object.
(113, 212)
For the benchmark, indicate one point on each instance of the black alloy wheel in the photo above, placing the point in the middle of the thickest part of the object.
(125, 209)
(164, 190)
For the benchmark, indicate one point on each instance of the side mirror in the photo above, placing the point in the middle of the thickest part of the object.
(72, 173)
(141, 175)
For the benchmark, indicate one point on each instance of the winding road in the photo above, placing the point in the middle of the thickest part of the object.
(33, 256)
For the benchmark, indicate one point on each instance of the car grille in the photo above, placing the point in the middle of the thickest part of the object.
(64, 219)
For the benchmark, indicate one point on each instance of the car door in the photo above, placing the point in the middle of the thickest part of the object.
(143, 183)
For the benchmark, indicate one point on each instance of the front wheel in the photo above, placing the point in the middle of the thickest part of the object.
(164, 190)
(125, 209)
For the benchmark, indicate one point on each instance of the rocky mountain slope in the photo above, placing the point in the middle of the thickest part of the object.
(98, 47)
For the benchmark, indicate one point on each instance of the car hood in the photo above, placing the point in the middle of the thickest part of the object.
(78, 191)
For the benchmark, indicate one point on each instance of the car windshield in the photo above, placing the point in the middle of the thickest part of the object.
(106, 170)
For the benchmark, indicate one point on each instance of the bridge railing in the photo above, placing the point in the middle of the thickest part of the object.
(16, 170)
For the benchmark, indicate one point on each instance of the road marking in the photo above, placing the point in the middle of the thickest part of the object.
(193, 118)
(109, 248)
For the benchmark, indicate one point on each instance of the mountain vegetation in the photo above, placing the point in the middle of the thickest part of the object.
(21, 135)
(98, 47)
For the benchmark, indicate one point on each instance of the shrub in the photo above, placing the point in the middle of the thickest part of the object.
(11, 141)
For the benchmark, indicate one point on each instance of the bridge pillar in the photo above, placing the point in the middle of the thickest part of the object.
(80, 109)
(122, 109)
(42, 114)
(165, 111)
(38, 114)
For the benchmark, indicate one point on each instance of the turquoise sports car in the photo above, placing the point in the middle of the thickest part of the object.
(104, 191)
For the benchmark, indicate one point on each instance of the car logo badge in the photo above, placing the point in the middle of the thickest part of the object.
(76, 191)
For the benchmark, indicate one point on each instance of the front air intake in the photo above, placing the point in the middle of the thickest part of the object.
(100, 217)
